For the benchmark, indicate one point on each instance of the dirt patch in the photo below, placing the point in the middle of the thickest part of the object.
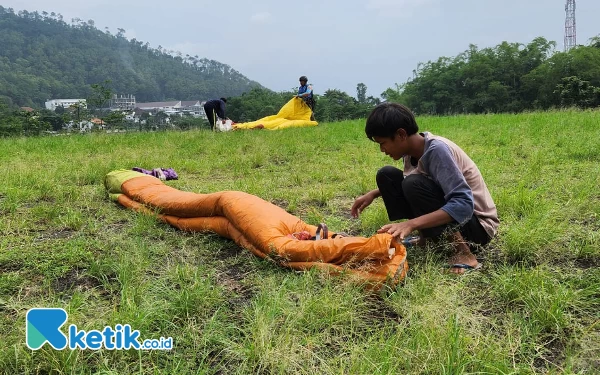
(11, 266)
(117, 225)
(591, 222)
(315, 203)
(552, 357)
(380, 312)
(489, 254)
(587, 263)
(45, 199)
(216, 360)
(231, 275)
(27, 205)
(281, 203)
(232, 279)
(77, 279)
(91, 211)
(56, 234)
(229, 250)
(278, 160)
(346, 214)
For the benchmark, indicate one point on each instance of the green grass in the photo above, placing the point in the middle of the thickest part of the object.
(533, 309)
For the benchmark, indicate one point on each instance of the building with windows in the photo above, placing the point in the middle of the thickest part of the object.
(159, 106)
(65, 103)
(122, 102)
(192, 107)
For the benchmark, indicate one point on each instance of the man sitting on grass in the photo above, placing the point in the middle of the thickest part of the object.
(441, 191)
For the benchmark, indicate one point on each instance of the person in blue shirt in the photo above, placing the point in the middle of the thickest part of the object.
(215, 109)
(305, 92)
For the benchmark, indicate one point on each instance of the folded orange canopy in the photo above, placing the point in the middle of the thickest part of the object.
(259, 226)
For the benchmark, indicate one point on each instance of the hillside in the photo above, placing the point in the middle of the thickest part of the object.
(43, 57)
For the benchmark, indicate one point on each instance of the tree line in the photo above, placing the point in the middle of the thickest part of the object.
(510, 77)
(77, 118)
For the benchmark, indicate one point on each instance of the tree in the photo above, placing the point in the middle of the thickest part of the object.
(78, 113)
(575, 92)
(54, 120)
(361, 93)
(114, 119)
(31, 124)
(595, 41)
(393, 94)
(336, 105)
(100, 95)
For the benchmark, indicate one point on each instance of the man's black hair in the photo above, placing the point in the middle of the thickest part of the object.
(387, 118)
(224, 100)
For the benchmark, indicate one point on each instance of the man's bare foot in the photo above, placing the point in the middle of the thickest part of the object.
(460, 263)
(463, 259)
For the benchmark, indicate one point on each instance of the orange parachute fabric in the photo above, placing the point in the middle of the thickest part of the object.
(295, 113)
(261, 227)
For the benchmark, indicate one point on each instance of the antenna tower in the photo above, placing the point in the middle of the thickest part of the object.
(570, 26)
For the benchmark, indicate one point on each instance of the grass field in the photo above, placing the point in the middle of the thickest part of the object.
(533, 309)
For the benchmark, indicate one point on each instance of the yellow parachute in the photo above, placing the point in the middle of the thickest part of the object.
(293, 114)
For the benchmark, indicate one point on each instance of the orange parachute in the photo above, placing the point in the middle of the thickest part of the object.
(261, 227)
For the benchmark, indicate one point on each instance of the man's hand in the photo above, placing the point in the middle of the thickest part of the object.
(361, 203)
(398, 230)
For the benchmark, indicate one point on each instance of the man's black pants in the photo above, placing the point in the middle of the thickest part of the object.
(416, 195)
(211, 115)
(310, 102)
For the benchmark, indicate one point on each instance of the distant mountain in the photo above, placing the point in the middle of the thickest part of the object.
(42, 57)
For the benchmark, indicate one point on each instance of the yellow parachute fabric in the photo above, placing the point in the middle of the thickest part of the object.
(293, 114)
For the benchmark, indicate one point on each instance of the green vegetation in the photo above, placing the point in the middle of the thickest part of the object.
(533, 309)
(334, 105)
(42, 57)
(24, 123)
(510, 77)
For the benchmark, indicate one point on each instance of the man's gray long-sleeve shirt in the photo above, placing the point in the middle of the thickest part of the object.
(465, 191)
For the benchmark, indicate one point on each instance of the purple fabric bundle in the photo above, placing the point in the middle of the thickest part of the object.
(160, 173)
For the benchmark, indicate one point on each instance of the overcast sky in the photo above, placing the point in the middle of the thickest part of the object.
(336, 43)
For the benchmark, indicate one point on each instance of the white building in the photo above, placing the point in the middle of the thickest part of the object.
(192, 107)
(65, 103)
(160, 106)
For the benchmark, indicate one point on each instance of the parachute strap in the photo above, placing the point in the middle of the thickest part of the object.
(322, 234)
(322, 227)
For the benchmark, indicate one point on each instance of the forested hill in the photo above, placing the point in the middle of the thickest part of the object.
(42, 57)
